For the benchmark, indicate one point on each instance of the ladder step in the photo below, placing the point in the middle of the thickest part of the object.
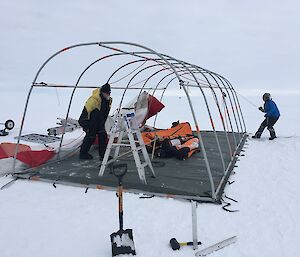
(145, 164)
(127, 145)
(138, 148)
(135, 141)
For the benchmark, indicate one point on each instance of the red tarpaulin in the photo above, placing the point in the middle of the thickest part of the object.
(32, 158)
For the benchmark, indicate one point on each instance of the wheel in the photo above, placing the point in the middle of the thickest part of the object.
(9, 124)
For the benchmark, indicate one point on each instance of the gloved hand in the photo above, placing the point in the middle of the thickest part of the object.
(261, 109)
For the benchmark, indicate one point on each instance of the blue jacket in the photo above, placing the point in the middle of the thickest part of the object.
(271, 109)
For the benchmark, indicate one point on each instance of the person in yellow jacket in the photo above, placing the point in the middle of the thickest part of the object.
(92, 120)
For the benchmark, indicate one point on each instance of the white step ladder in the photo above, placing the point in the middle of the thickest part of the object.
(126, 121)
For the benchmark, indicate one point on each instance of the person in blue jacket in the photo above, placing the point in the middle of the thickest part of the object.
(271, 117)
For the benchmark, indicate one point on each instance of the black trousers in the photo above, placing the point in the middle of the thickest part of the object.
(268, 123)
(95, 126)
(89, 140)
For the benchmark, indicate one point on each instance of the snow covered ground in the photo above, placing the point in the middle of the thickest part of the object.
(40, 220)
(37, 219)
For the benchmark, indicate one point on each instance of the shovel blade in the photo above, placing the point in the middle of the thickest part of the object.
(122, 242)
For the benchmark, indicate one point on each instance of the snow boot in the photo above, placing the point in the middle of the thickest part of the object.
(85, 156)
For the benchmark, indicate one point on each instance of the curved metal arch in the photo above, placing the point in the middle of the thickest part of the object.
(159, 64)
(100, 59)
(194, 117)
(236, 116)
(164, 61)
(236, 101)
(221, 116)
(235, 98)
(224, 86)
(88, 67)
(103, 44)
(209, 84)
(196, 123)
(176, 67)
(170, 81)
(200, 137)
(165, 88)
(129, 63)
(197, 127)
(230, 100)
(30, 91)
(127, 75)
(75, 87)
(219, 110)
(168, 74)
(161, 97)
(148, 79)
(128, 84)
(124, 65)
(219, 147)
(206, 101)
(233, 134)
(232, 90)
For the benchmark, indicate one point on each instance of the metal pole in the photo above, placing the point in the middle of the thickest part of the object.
(222, 119)
(229, 86)
(198, 130)
(183, 65)
(238, 106)
(194, 225)
(50, 85)
(30, 91)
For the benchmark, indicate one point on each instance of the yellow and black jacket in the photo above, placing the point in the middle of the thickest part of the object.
(95, 111)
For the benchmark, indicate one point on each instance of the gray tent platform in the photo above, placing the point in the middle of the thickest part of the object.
(178, 179)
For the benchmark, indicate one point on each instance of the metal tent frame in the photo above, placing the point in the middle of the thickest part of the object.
(169, 70)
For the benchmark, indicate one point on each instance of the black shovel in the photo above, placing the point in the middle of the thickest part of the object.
(121, 241)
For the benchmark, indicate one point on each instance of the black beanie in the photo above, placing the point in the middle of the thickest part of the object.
(106, 88)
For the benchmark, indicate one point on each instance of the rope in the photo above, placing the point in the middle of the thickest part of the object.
(245, 98)
(225, 113)
(203, 81)
(227, 204)
(128, 73)
(146, 196)
(57, 96)
(137, 83)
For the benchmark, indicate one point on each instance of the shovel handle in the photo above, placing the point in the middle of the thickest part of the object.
(119, 170)
(120, 194)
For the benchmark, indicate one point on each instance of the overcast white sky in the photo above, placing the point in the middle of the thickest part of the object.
(255, 44)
